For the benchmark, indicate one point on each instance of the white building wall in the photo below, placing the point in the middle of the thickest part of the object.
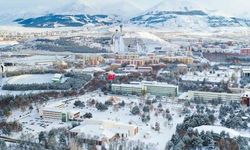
(207, 96)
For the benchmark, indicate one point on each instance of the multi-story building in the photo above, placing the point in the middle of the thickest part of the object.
(208, 96)
(245, 72)
(210, 76)
(137, 62)
(180, 59)
(91, 59)
(59, 112)
(245, 51)
(101, 132)
(154, 88)
(128, 56)
(133, 68)
(135, 59)
(127, 89)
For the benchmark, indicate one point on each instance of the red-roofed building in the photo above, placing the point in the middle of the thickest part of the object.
(245, 51)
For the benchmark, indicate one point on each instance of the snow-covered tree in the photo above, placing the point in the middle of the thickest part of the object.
(135, 110)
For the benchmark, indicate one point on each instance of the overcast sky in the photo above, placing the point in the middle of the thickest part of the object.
(225, 6)
(52, 3)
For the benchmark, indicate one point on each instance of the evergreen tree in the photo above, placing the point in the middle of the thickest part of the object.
(7, 111)
(244, 125)
(135, 110)
(87, 115)
(101, 106)
(62, 141)
(157, 126)
(169, 145)
(41, 137)
(6, 131)
(212, 118)
(186, 139)
(52, 138)
(175, 139)
(79, 104)
(197, 142)
(3, 145)
(122, 104)
(146, 109)
(179, 146)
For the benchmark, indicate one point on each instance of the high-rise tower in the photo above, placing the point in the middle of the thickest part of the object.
(117, 42)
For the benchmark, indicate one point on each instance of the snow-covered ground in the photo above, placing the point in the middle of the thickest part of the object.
(27, 79)
(7, 43)
(150, 40)
(36, 59)
(31, 79)
(33, 124)
(219, 129)
(6, 92)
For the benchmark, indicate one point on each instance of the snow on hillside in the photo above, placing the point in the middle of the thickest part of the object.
(172, 14)
(74, 7)
(176, 5)
(124, 8)
(186, 14)
(32, 9)
(144, 35)
(53, 20)
(150, 40)
(219, 129)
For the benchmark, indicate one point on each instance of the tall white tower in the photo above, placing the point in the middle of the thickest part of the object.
(117, 42)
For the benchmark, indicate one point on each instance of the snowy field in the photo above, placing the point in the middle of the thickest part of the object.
(7, 43)
(33, 124)
(31, 79)
(33, 60)
(6, 92)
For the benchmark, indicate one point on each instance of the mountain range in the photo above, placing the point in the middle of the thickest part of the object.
(167, 13)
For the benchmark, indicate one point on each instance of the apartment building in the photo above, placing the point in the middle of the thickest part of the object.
(154, 88)
(91, 59)
(245, 72)
(208, 96)
(180, 59)
(127, 89)
(135, 59)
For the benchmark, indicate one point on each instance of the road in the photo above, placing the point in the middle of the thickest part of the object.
(7, 139)
(11, 140)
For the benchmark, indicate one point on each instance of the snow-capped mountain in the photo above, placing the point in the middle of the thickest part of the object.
(185, 13)
(52, 20)
(167, 13)
(77, 13)
(175, 5)
(73, 8)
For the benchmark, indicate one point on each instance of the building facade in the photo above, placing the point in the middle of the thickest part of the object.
(245, 72)
(135, 59)
(58, 112)
(91, 59)
(208, 96)
(245, 51)
(102, 132)
(154, 88)
(180, 59)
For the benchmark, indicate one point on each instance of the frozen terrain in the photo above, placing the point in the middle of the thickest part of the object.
(31, 79)
(31, 119)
